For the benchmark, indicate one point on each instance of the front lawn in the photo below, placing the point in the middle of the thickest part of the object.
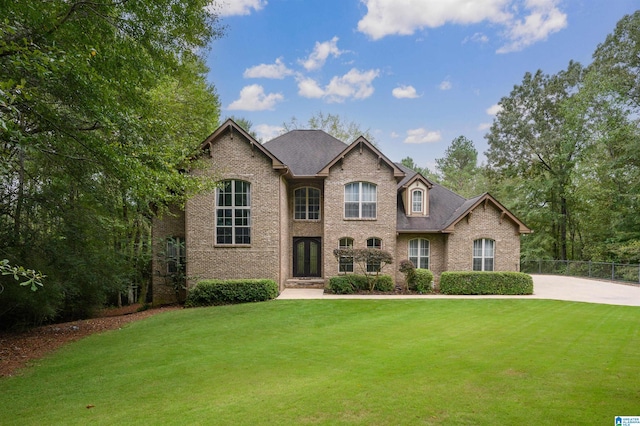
(383, 362)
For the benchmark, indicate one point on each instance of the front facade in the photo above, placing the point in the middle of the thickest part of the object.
(280, 209)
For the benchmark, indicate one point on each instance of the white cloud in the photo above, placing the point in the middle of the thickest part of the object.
(387, 17)
(404, 92)
(476, 38)
(493, 109)
(394, 135)
(353, 85)
(238, 7)
(545, 19)
(422, 135)
(253, 98)
(277, 70)
(266, 132)
(445, 85)
(320, 53)
(309, 88)
(523, 25)
(484, 126)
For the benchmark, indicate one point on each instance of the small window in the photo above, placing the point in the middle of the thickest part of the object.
(346, 263)
(374, 243)
(175, 255)
(417, 201)
(360, 199)
(483, 254)
(419, 253)
(233, 213)
(307, 204)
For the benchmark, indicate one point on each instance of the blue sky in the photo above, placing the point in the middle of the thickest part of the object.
(415, 73)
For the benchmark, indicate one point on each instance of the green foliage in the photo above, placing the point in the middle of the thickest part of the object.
(458, 169)
(353, 283)
(409, 270)
(33, 278)
(224, 292)
(364, 258)
(423, 281)
(102, 106)
(510, 283)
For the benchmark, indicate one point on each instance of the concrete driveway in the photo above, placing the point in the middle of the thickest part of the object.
(544, 287)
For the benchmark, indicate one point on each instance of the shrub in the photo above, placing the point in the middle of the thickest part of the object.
(408, 269)
(223, 292)
(351, 283)
(486, 283)
(423, 279)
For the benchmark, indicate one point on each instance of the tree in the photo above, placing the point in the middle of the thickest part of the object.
(537, 138)
(458, 169)
(335, 125)
(365, 258)
(102, 105)
(424, 171)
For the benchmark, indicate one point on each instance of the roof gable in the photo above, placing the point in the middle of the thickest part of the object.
(485, 199)
(362, 143)
(233, 128)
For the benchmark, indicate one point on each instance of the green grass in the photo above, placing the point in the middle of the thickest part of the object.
(383, 362)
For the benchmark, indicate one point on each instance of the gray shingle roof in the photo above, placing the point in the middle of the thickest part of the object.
(444, 207)
(306, 152)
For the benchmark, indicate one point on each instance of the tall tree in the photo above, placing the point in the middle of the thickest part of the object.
(458, 169)
(101, 104)
(537, 138)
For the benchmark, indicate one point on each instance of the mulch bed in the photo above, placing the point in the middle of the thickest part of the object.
(18, 349)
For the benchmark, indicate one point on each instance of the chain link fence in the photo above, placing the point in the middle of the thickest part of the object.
(599, 270)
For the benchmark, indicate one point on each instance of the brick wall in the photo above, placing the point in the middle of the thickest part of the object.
(358, 166)
(234, 158)
(484, 222)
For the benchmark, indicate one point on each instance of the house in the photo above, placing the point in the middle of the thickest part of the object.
(282, 207)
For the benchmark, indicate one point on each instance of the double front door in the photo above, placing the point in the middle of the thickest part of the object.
(306, 257)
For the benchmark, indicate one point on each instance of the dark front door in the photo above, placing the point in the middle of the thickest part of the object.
(306, 257)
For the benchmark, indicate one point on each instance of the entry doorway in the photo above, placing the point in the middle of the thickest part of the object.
(306, 257)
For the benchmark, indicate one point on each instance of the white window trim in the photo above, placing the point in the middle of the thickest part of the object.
(484, 256)
(428, 256)
(233, 209)
(360, 201)
(413, 192)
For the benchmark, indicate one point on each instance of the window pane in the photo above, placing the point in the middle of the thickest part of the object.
(351, 192)
(300, 256)
(224, 236)
(368, 192)
(313, 258)
(477, 264)
(369, 210)
(488, 264)
(488, 248)
(351, 210)
(417, 201)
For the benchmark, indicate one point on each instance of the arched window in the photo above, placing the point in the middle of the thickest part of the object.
(419, 252)
(307, 203)
(417, 201)
(374, 243)
(360, 200)
(233, 213)
(483, 254)
(346, 263)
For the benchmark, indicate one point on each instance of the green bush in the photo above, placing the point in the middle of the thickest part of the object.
(351, 283)
(423, 281)
(486, 283)
(224, 292)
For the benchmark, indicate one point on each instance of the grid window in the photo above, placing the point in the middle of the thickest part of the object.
(360, 200)
(233, 213)
(307, 204)
(374, 243)
(483, 254)
(417, 202)
(346, 263)
(419, 253)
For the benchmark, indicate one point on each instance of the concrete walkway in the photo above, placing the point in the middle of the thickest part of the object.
(544, 287)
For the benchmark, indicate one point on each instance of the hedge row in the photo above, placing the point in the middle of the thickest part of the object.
(351, 283)
(486, 283)
(224, 292)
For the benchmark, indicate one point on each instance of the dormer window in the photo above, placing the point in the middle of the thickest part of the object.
(417, 201)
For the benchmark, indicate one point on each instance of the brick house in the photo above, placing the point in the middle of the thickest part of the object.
(282, 208)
